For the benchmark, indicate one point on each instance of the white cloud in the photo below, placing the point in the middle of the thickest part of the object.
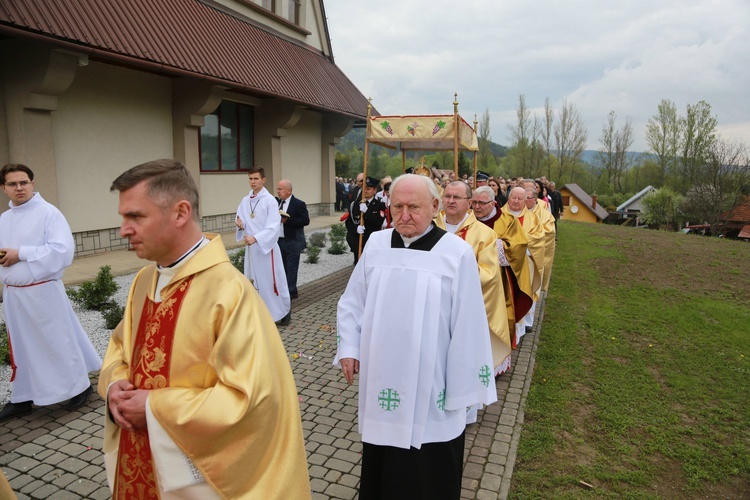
(410, 57)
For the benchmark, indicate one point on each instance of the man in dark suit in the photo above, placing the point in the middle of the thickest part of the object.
(341, 196)
(557, 203)
(294, 218)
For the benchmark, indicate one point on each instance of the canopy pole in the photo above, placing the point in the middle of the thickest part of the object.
(455, 134)
(364, 175)
(403, 161)
(475, 153)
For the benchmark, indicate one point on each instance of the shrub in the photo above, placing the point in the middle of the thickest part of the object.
(238, 260)
(338, 232)
(313, 254)
(337, 248)
(317, 240)
(95, 294)
(113, 315)
(4, 349)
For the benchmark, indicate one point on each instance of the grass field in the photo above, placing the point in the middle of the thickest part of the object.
(641, 386)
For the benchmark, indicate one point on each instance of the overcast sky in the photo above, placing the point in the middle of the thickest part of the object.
(410, 56)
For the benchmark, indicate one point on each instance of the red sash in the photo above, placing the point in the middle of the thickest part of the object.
(152, 355)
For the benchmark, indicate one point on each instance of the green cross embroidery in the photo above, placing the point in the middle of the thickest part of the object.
(485, 375)
(338, 340)
(389, 399)
(441, 400)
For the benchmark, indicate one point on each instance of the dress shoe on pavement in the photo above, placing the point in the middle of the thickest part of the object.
(12, 410)
(80, 400)
(294, 295)
(528, 329)
(285, 320)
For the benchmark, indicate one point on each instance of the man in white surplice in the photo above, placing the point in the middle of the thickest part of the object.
(259, 225)
(51, 354)
(412, 323)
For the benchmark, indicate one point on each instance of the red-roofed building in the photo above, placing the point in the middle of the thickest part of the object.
(90, 88)
(735, 223)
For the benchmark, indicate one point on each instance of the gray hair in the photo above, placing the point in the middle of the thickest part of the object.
(485, 190)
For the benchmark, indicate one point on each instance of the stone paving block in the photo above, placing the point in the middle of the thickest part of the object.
(9, 457)
(500, 448)
(82, 487)
(40, 471)
(32, 486)
(32, 435)
(507, 420)
(311, 446)
(321, 438)
(101, 494)
(486, 495)
(349, 480)
(72, 464)
(323, 429)
(347, 456)
(495, 469)
(490, 482)
(63, 479)
(24, 464)
(18, 482)
(317, 471)
(318, 486)
(29, 449)
(332, 476)
(340, 491)
(494, 458)
(469, 483)
(316, 459)
(63, 495)
(339, 465)
(474, 460)
(473, 470)
(89, 472)
(504, 429)
(73, 449)
(44, 491)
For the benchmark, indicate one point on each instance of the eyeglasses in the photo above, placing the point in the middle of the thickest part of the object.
(451, 197)
(480, 203)
(13, 185)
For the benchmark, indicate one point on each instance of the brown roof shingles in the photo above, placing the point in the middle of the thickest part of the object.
(189, 36)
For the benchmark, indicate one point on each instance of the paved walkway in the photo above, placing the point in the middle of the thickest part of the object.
(56, 454)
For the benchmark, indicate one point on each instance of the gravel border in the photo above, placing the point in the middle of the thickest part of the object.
(94, 325)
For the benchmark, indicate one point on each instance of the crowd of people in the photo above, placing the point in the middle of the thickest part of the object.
(200, 398)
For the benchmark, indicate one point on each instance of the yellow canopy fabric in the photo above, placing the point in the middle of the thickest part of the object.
(422, 132)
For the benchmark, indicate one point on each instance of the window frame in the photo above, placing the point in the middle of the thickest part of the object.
(238, 147)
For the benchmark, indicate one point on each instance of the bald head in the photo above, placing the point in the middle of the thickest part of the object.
(517, 199)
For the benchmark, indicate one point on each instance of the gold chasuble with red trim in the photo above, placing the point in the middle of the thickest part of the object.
(219, 381)
(152, 355)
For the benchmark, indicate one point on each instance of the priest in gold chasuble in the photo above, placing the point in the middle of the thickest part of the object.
(201, 401)
(457, 218)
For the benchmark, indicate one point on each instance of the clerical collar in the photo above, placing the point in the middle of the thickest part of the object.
(185, 255)
(514, 212)
(453, 227)
(424, 242)
(492, 214)
(409, 241)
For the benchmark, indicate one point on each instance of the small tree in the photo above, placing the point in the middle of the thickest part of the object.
(660, 208)
(337, 237)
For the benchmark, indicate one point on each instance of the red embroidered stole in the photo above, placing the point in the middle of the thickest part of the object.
(152, 355)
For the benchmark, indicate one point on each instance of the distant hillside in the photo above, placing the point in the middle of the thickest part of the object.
(356, 140)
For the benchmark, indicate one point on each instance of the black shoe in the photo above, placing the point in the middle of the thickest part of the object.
(294, 295)
(13, 410)
(528, 329)
(80, 400)
(285, 320)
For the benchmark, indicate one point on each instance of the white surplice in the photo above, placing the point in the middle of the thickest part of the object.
(52, 353)
(416, 322)
(263, 265)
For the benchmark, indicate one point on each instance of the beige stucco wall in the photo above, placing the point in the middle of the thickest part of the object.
(221, 193)
(109, 120)
(300, 157)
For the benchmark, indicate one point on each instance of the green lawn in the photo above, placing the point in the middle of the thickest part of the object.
(641, 387)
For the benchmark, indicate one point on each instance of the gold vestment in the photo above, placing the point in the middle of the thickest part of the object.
(548, 224)
(484, 242)
(231, 405)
